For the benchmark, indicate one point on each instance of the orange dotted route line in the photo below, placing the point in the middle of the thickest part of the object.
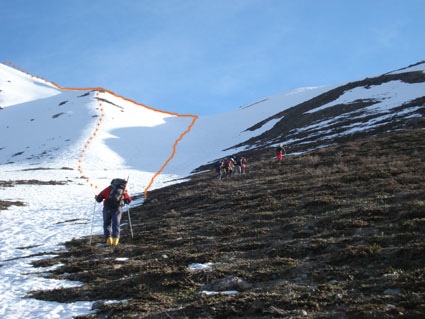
(102, 115)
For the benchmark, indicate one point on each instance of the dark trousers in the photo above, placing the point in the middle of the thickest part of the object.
(111, 221)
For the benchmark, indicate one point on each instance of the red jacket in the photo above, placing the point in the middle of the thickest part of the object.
(104, 195)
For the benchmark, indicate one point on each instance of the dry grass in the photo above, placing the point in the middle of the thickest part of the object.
(336, 233)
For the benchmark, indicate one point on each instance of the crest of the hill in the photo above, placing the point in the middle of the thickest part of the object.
(311, 124)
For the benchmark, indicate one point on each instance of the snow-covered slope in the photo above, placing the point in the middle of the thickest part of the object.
(213, 137)
(95, 133)
(125, 138)
(59, 147)
(17, 87)
(374, 105)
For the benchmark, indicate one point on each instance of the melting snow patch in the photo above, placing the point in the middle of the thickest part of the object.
(230, 285)
(206, 266)
(212, 293)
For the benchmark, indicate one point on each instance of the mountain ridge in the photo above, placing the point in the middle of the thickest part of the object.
(304, 124)
(283, 130)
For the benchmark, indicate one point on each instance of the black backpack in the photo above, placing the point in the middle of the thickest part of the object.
(239, 161)
(117, 192)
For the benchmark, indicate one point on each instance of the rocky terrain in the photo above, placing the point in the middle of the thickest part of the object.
(333, 233)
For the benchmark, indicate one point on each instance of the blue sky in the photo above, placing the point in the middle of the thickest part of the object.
(206, 57)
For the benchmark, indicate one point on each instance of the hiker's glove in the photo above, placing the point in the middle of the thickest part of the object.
(126, 201)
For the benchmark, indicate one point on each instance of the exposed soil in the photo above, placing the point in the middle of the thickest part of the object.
(335, 233)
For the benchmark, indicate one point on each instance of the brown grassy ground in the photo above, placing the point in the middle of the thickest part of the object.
(335, 233)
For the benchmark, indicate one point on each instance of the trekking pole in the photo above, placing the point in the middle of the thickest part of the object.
(129, 221)
(92, 221)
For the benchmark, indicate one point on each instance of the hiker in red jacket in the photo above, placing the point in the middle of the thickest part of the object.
(241, 165)
(280, 150)
(113, 198)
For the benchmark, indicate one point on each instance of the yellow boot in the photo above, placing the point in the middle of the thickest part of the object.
(115, 241)
(109, 241)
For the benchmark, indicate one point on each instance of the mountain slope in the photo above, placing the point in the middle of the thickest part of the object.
(335, 233)
(17, 87)
(90, 131)
(388, 102)
(42, 131)
(303, 118)
(58, 146)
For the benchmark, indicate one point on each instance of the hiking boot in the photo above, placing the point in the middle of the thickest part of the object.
(115, 241)
(109, 241)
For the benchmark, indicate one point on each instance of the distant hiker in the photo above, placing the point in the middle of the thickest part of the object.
(219, 168)
(280, 150)
(230, 166)
(241, 165)
(113, 197)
